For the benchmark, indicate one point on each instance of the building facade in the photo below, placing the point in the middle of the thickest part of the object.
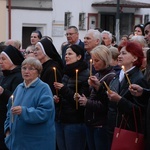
(52, 17)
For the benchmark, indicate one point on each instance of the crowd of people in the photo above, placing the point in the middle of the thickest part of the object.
(75, 100)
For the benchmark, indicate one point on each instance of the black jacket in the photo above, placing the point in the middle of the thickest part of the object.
(127, 102)
(97, 104)
(47, 74)
(67, 112)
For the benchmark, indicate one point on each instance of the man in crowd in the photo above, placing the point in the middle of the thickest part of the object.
(91, 40)
(72, 36)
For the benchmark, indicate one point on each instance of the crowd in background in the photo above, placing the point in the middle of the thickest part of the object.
(75, 100)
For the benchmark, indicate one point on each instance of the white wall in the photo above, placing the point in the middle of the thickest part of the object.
(3, 14)
(45, 18)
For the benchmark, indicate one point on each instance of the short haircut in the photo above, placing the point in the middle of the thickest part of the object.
(96, 34)
(107, 32)
(140, 39)
(141, 26)
(103, 53)
(33, 62)
(135, 49)
(74, 27)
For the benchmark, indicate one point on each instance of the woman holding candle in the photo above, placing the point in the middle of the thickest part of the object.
(33, 112)
(10, 61)
(121, 100)
(70, 129)
(96, 105)
(47, 54)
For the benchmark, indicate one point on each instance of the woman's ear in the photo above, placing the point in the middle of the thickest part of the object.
(135, 58)
(78, 57)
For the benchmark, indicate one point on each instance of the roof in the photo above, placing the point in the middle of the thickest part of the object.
(123, 3)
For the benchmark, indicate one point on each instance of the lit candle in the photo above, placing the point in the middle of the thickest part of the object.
(76, 88)
(55, 76)
(108, 89)
(123, 68)
(90, 67)
(126, 75)
(12, 104)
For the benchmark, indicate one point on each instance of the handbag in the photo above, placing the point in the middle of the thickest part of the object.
(127, 140)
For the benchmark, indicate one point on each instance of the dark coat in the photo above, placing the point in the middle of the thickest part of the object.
(47, 74)
(146, 92)
(67, 112)
(97, 104)
(125, 105)
(9, 82)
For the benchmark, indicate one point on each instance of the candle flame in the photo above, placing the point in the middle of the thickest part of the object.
(54, 68)
(123, 68)
(12, 96)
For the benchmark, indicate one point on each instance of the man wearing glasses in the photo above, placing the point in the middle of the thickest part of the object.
(72, 36)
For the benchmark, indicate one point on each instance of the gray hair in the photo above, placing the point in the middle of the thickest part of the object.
(140, 39)
(107, 32)
(96, 34)
(33, 62)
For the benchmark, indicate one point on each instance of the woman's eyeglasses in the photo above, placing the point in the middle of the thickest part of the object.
(28, 68)
(28, 52)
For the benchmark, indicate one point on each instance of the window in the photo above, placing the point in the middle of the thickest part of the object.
(67, 19)
(81, 21)
(92, 21)
(146, 18)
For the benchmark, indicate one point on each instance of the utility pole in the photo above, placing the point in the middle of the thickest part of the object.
(118, 22)
(9, 19)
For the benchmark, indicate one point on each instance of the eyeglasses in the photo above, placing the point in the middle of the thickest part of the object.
(28, 68)
(70, 34)
(28, 52)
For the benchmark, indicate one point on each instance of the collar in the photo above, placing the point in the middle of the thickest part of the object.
(27, 86)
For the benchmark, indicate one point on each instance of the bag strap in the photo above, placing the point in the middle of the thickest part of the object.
(135, 122)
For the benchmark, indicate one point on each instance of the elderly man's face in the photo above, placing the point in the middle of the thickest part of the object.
(106, 39)
(147, 34)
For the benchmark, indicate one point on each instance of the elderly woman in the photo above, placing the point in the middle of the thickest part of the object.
(121, 100)
(10, 61)
(30, 117)
(29, 52)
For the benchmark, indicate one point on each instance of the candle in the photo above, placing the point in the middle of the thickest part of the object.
(128, 78)
(126, 75)
(108, 89)
(90, 67)
(55, 76)
(76, 88)
(12, 104)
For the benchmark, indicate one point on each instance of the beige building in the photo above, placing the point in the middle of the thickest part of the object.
(3, 14)
(52, 17)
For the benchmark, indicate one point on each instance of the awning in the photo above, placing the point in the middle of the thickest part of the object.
(123, 3)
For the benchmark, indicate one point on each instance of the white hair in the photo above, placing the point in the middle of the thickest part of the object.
(96, 34)
(107, 32)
